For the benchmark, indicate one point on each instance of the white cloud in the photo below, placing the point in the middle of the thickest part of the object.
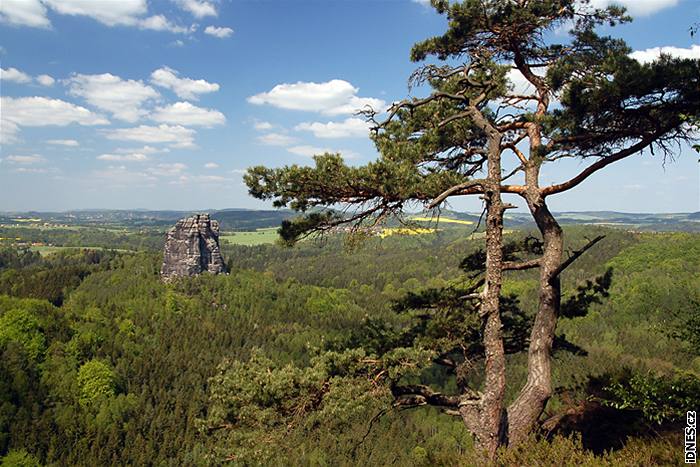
(310, 151)
(185, 88)
(133, 157)
(123, 98)
(142, 150)
(30, 170)
(219, 32)
(519, 84)
(160, 23)
(167, 170)
(333, 97)
(198, 8)
(33, 13)
(25, 160)
(211, 165)
(349, 128)
(276, 139)
(184, 113)
(45, 80)
(176, 136)
(64, 142)
(8, 131)
(186, 178)
(111, 13)
(211, 178)
(649, 55)
(121, 176)
(24, 13)
(41, 111)
(13, 74)
(262, 126)
(637, 7)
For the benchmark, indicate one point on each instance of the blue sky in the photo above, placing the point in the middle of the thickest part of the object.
(163, 104)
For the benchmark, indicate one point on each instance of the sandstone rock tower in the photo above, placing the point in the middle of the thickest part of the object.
(191, 248)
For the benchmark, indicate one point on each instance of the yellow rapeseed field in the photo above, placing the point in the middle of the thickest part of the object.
(442, 219)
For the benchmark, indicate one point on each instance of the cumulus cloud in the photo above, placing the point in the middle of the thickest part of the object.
(262, 126)
(17, 76)
(41, 111)
(211, 165)
(45, 80)
(185, 88)
(276, 139)
(649, 55)
(25, 160)
(64, 142)
(13, 74)
(142, 150)
(220, 32)
(123, 98)
(519, 84)
(131, 157)
(333, 97)
(184, 113)
(24, 13)
(176, 136)
(167, 169)
(198, 8)
(123, 12)
(348, 128)
(160, 23)
(637, 7)
(33, 13)
(310, 151)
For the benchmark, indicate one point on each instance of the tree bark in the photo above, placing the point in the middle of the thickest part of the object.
(484, 416)
(525, 411)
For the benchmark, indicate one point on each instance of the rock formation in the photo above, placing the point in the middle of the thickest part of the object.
(192, 247)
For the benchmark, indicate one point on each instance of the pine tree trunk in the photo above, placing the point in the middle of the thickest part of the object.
(484, 416)
(525, 411)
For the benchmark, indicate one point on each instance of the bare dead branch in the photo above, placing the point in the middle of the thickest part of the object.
(457, 188)
(521, 265)
(576, 254)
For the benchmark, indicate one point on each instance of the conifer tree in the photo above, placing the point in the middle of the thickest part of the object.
(506, 98)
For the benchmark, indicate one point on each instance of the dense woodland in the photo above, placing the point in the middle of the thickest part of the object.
(540, 345)
(102, 364)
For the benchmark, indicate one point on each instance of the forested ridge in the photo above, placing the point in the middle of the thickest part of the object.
(102, 364)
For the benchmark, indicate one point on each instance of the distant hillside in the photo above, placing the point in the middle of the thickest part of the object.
(230, 219)
(248, 219)
(688, 222)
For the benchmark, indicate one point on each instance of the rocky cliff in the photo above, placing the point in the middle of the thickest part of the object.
(192, 247)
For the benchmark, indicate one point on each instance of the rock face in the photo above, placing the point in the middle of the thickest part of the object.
(191, 248)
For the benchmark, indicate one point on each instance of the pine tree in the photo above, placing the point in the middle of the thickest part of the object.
(517, 101)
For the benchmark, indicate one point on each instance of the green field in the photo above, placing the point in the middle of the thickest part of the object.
(48, 250)
(254, 237)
